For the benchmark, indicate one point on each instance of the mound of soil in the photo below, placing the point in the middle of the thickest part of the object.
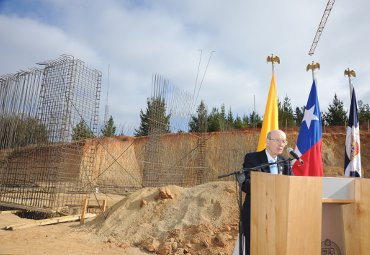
(174, 220)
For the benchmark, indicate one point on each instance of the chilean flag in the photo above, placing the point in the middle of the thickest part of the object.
(309, 141)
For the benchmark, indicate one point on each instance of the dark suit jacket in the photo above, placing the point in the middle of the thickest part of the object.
(256, 159)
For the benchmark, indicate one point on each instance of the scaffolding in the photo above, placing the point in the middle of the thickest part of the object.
(42, 167)
(161, 164)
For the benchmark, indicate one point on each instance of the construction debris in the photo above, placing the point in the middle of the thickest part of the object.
(49, 221)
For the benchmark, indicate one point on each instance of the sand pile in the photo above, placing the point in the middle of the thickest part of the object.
(174, 220)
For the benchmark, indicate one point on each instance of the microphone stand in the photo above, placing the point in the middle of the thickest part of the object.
(240, 178)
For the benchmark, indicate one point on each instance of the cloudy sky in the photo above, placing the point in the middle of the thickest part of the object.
(139, 38)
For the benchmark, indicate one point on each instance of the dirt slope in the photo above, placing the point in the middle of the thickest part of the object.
(202, 219)
(170, 220)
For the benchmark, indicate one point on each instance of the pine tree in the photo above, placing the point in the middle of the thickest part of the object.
(18, 132)
(363, 113)
(199, 123)
(229, 120)
(222, 118)
(336, 115)
(240, 123)
(144, 124)
(298, 115)
(255, 120)
(109, 128)
(213, 120)
(286, 116)
(217, 120)
(245, 121)
(154, 120)
(81, 131)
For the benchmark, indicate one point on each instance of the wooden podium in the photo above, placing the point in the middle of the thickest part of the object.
(309, 215)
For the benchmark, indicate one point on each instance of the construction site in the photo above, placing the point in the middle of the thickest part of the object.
(45, 169)
(66, 188)
(48, 175)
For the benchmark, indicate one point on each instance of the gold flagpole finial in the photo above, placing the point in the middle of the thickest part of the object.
(273, 59)
(349, 73)
(312, 67)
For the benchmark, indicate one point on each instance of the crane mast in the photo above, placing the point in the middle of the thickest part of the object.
(324, 18)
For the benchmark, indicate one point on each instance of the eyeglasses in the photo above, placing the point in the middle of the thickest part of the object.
(285, 142)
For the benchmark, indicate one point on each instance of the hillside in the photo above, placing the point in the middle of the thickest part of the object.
(189, 159)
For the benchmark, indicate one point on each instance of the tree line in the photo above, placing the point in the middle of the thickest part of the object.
(16, 131)
(218, 119)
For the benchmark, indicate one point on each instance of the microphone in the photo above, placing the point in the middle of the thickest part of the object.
(294, 155)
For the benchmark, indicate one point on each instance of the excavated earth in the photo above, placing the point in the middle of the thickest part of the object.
(202, 219)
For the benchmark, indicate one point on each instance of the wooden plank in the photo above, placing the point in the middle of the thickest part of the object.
(304, 215)
(10, 212)
(356, 218)
(352, 224)
(363, 212)
(104, 205)
(84, 210)
(282, 188)
(337, 201)
(49, 221)
(28, 208)
(262, 213)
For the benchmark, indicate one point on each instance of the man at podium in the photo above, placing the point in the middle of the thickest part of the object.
(268, 160)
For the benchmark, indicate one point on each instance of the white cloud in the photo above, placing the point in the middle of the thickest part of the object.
(25, 42)
(140, 38)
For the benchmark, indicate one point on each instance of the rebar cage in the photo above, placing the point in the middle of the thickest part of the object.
(42, 166)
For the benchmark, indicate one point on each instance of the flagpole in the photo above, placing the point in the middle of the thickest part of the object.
(312, 67)
(352, 156)
(270, 118)
(273, 59)
(350, 73)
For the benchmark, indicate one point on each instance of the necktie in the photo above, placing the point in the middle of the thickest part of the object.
(273, 167)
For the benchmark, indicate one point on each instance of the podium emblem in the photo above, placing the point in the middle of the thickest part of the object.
(328, 247)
